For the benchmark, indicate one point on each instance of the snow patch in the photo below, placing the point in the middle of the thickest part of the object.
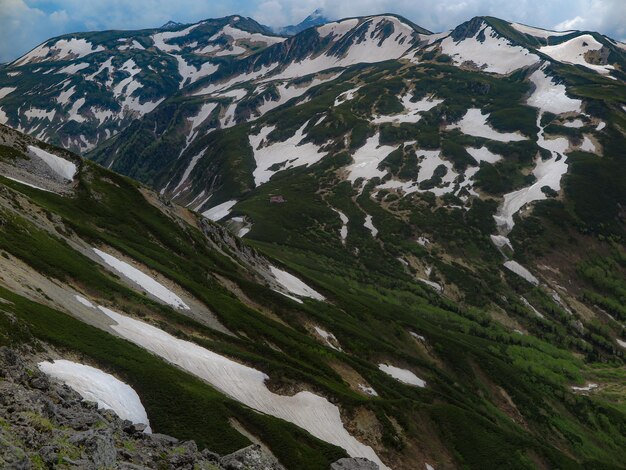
(146, 282)
(368, 224)
(329, 338)
(220, 211)
(95, 385)
(573, 52)
(367, 158)
(60, 166)
(412, 110)
(495, 54)
(550, 96)
(368, 390)
(521, 271)
(475, 123)
(294, 285)
(291, 153)
(73, 68)
(4, 91)
(403, 375)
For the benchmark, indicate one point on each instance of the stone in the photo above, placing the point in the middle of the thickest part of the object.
(354, 463)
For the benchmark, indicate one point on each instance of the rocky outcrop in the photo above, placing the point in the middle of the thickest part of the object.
(44, 424)
(357, 463)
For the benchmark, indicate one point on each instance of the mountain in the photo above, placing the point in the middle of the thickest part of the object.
(317, 18)
(88, 87)
(364, 240)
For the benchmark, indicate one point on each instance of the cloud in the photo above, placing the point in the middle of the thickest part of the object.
(26, 23)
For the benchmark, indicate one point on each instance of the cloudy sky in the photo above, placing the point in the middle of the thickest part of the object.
(26, 23)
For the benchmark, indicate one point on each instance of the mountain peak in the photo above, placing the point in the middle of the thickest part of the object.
(171, 25)
(316, 18)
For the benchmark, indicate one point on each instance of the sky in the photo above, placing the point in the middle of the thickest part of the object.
(26, 23)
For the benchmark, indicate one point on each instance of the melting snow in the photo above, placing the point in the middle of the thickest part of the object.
(294, 285)
(292, 152)
(496, 54)
(588, 145)
(65, 95)
(337, 29)
(432, 284)
(73, 68)
(521, 271)
(37, 113)
(475, 123)
(63, 49)
(330, 338)
(403, 375)
(160, 38)
(370, 226)
(288, 91)
(368, 50)
(4, 91)
(244, 384)
(528, 304)
(501, 241)
(547, 172)
(60, 166)
(188, 170)
(346, 96)
(576, 123)
(95, 385)
(367, 158)
(586, 388)
(220, 211)
(143, 280)
(574, 50)
(343, 231)
(190, 73)
(550, 97)
(368, 390)
(412, 110)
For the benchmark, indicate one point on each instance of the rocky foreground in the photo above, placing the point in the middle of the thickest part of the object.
(45, 424)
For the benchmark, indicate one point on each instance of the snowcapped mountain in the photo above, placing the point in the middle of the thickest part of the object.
(88, 87)
(317, 18)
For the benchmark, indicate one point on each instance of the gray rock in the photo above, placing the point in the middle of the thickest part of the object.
(250, 458)
(355, 463)
(99, 446)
